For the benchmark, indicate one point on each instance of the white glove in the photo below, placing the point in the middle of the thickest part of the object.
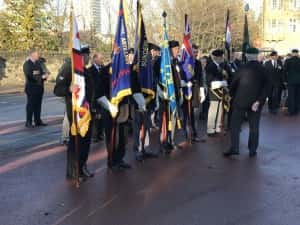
(224, 83)
(183, 83)
(218, 84)
(105, 103)
(161, 94)
(140, 100)
(202, 95)
(255, 106)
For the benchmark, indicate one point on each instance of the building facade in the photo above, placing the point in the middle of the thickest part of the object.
(281, 25)
(96, 12)
(89, 15)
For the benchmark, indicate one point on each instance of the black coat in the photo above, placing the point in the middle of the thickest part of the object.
(292, 70)
(33, 75)
(198, 77)
(100, 84)
(177, 73)
(275, 75)
(63, 82)
(213, 73)
(250, 85)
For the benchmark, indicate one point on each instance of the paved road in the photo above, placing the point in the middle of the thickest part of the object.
(196, 186)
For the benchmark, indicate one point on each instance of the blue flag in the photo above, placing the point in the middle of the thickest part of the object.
(188, 59)
(166, 77)
(121, 85)
(143, 57)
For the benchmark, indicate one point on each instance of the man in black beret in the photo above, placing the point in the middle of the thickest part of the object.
(217, 82)
(65, 88)
(292, 73)
(274, 69)
(169, 145)
(249, 90)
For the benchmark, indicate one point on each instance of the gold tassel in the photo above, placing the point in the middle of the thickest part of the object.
(170, 126)
(73, 129)
(179, 124)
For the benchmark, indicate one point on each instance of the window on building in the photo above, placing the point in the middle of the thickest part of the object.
(276, 4)
(294, 4)
(293, 25)
(280, 26)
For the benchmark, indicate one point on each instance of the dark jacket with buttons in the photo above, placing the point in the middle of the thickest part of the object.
(275, 74)
(63, 83)
(33, 74)
(250, 85)
(292, 70)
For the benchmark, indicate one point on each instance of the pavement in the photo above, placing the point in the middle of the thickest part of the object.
(194, 186)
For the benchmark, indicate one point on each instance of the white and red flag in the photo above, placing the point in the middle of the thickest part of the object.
(80, 106)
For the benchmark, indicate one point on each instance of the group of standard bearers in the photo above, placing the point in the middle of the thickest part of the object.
(234, 90)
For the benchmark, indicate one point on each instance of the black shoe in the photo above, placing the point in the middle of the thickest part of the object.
(149, 155)
(196, 140)
(29, 125)
(40, 124)
(252, 154)
(115, 167)
(139, 157)
(124, 165)
(86, 172)
(230, 153)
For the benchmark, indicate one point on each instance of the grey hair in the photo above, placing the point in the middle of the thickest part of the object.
(31, 51)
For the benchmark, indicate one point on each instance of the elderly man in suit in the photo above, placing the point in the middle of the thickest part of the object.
(274, 69)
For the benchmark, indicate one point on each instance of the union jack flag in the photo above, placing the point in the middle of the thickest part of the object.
(187, 59)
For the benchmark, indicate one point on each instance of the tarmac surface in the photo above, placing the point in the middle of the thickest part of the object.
(194, 186)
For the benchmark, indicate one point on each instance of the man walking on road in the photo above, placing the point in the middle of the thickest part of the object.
(249, 90)
(292, 70)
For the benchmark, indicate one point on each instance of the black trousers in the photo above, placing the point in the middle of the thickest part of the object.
(205, 107)
(294, 99)
(117, 153)
(237, 119)
(78, 147)
(97, 126)
(139, 120)
(189, 121)
(274, 98)
(34, 103)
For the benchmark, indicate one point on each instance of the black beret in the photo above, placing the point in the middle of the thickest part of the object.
(131, 51)
(153, 46)
(43, 60)
(173, 44)
(217, 53)
(273, 53)
(295, 51)
(253, 51)
(194, 46)
(85, 49)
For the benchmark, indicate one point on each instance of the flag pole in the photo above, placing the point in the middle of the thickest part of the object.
(165, 124)
(74, 125)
